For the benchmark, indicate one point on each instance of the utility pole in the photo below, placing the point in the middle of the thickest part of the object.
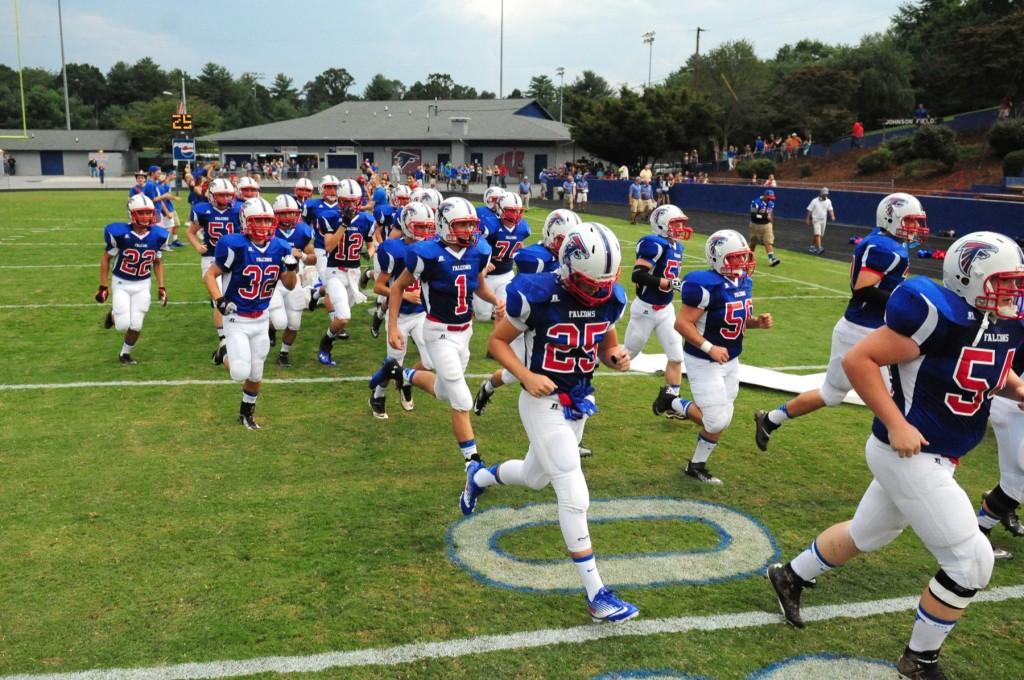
(63, 66)
(561, 90)
(501, 54)
(696, 58)
(649, 39)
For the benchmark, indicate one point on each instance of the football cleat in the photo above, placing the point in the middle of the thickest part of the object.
(481, 400)
(325, 358)
(283, 359)
(607, 606)
(763, 428)
(389, 370)
(407, 402)
(364, 278)
(920, 666)
(177, 244)
(272, 332)
(313, 300)
(341, 335)
(662, 405)
(700, 472)
(788, 587)
(376, 321)
(585, 452)
(248, 421)
(471, 492)
(108, 320)
(1010, 521)
(774, 262)
(377, 407)
(127, 360)
(1001, 553)
(219, 354)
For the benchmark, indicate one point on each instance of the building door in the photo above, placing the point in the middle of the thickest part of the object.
(476, 157)
(51, 162)
(443, 158)
(342, 161)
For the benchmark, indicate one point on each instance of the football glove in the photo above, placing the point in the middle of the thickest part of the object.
(290, 263)
(163, 296)
(677, 284)
(226, 307)
(102, 293)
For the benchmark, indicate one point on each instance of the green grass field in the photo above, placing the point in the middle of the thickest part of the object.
(142, 527)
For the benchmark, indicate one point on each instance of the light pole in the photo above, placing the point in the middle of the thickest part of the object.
(561, 90)
(649, 39)
(63, 66)
(501, 53)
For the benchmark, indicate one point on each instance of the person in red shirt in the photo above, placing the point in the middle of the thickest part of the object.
(856, 135)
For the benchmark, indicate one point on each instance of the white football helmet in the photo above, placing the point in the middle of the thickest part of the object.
(728, 253)
(247, 188)
(987, 270)
(671, 222)
(418, 221)
(303, 188)
(329, 186)
(902, 216)
(350, 195)
(491, 197)
(556, 226)
(258, 220)
(433, 198)
(457, 223)
(589, 262)
(510, 209)
(287, 211)
(141, 210)
(401, 196)
(417, 195)
(221, 193)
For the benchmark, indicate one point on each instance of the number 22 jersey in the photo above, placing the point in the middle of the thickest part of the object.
(136, 253)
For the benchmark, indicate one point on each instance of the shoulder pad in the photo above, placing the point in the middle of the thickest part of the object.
(950, 305)
(536, 288)
(619, 293)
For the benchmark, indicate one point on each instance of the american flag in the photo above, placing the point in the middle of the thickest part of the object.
(181, 107)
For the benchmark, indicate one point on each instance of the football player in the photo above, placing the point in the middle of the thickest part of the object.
(136, 249)
(303, 191)
(570, 317)
(880, 263)
(344, 231)
(950, 347)
(286, 307)
(171, 222)
(505, 238)
(217, 218)
(418, 224)
(246, 188)
(717, 309)
(488, 212)
(140, 183)
(255, 262)
(451, 271)
(312, 210)
(656, 275)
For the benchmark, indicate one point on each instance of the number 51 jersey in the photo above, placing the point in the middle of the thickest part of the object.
(252, 271)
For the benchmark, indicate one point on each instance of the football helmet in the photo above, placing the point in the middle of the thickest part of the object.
(987, 270)
(401, 196)
(221, 193)
(287, 211)
(728, 253)
(589, 262)
(902, 216)
(349, 193)
(671, 222)
(417, 195)
(457, 223)
(491, 197)
(258, 220)
(433, 198)
(141, 210)
(510, 209)
(303, 188)
(557, 224)
(418, 221)
(247, 188)
(329, 187)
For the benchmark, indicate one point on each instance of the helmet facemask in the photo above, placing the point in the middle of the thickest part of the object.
(679, 229)
(260, 228)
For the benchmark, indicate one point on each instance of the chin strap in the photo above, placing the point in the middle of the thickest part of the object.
(986, 321)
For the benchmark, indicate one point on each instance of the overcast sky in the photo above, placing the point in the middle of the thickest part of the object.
(408, 40)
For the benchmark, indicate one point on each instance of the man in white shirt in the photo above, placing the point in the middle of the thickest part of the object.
(819, 210)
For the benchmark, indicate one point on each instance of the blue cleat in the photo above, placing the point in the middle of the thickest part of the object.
(325, 358)
(389, 370)
(606, 606)
(469, 495)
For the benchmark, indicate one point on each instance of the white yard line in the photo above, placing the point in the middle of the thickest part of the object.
(450, 649)
(805, 283)
(758, 298)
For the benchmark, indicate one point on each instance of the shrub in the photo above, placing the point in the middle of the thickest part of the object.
(902, 148)
(879, 159)
(1013, 164)
(762, 167)
(922, 167)
(806, 170)
(937, 142)
(1006, 136)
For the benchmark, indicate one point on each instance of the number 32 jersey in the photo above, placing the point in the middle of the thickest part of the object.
(727, 306)
(447, 278)
(946, 393)
(136, 253)
(253, 272)
(563, 332)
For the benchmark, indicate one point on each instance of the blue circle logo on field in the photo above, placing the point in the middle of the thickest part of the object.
(745, 547)
(806, 667)
(660, 674)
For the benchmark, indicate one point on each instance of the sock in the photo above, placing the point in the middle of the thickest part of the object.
(489, 387)
(673, 390)
(408, 373)
(378, 312)
(929, 632)
(680, 405)
(285, 348)
(485, 477)
(986, 521)
(703, 450)
(220, 333)
(468, 449)
(809, 564)
(379, 391)
(587, 567)
(771, 256)
(126, 348)
(249, 397)
(778, 416)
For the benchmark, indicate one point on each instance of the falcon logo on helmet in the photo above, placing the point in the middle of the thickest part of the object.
(258, 220)
(492, 196)
(141, 210)
(457, 223)
(728, 253)
(418, 222)
(902, 216)
(671, 222)
(589, 263)
(556, 226)
(401, 196)
(971, 251)
(986, 269)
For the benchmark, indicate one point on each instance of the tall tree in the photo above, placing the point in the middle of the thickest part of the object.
(439, 86)
(736, 82)
(216, 85)
(327, 89)
(544, 91)
(883, 72)
(383, 89)
(588, 86)
(281, 90)
(149, 122)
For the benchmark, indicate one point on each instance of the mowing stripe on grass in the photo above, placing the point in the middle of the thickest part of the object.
(449, 649)
(92, 265)
(93, 304)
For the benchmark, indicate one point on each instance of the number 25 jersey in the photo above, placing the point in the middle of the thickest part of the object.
(727, 305)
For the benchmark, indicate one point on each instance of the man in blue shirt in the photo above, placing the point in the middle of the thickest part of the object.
(636, 205)
(762, 214)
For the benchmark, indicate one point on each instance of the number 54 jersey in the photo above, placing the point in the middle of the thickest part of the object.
(727, 305)
(252, 271)
(563, 332)
(946, 393)
(136, 253)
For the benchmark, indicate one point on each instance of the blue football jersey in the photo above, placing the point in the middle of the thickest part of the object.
(391, 259)
(504, 243)
(535, 259)
(386, 216)
(946, 393)
(350, 245)
(135, 253)
(299, 236)
(666, 256)
(215, 223)
(886, 256)
(488, 220)
(315, 208)
(564, 332)
(448, 279)
(253, 271)
(727, 305)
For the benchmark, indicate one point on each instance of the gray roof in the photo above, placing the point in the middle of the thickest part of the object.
(67, 140)
(490, 119)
